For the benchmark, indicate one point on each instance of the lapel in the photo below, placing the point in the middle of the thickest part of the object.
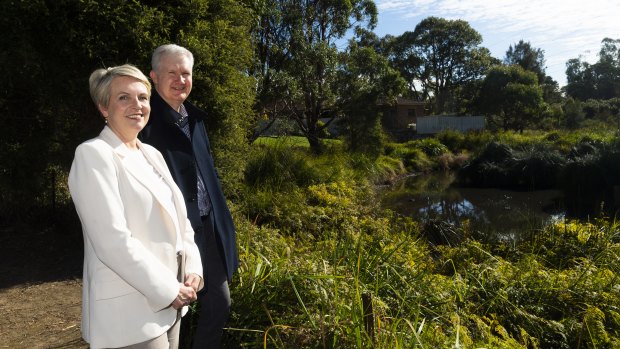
(141, 175)
(162, 169)
(169, 117)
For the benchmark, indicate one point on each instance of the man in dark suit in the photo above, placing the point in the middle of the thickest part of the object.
(176, 128)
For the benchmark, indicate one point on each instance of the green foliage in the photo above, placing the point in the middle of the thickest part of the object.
(603, 110)
(297, 67)
(44, 123)
(573, 114)
(216, 33)
(298, 143)
(442, 55)
(528, 58)
(424, 155)
(389, 167)
(512, 95)
(365, 80)
(558, 160)
(327, 250)
(380, 170)
(595, 81)
(530, 166)
(278, 167)
(471, 141)
(430, 146)
(277, 173)
(541, 296)
(413, 158)
(533, 59)
(453, 140)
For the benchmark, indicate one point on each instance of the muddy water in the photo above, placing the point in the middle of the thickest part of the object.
(495, 213)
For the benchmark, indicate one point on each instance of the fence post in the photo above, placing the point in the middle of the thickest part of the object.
(369, 316)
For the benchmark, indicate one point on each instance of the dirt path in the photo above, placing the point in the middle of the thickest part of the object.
(40, 281)
(45, 315)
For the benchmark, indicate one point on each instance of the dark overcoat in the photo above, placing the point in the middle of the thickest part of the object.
(182, 157)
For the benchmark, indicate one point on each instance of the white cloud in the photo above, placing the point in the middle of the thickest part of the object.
(564, 29)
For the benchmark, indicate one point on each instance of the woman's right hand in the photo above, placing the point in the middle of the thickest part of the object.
(185, 297)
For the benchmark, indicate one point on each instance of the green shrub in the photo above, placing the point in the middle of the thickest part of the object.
(279, 167)
(316, 259)
(413, 158)
(390, 168)
(453, 140)
(430, 146)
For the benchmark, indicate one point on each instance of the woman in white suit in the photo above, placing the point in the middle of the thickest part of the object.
(141, 265)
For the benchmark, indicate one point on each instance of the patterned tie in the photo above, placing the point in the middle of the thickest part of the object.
(183, 124)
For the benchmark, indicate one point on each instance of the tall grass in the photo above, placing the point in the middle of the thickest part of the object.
(323, 266)
(559, 290)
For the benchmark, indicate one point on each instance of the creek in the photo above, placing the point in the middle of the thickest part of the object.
(492, 213)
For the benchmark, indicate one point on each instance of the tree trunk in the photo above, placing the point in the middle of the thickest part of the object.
(315, 142)
(312, 132)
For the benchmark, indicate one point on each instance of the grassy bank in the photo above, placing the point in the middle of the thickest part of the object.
(323, 266)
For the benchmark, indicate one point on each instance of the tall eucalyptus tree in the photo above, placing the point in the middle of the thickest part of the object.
(367, 81)
(600, 80)
(532, 59)
(298, 58)
(443, 57)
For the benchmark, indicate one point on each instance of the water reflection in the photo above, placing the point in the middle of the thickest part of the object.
(494, 213)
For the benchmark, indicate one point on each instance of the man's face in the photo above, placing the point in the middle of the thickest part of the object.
(173, 79)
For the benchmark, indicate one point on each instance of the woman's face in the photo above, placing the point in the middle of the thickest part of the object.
(128, 110)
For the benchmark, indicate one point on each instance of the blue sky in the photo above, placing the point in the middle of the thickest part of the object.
(564, 29)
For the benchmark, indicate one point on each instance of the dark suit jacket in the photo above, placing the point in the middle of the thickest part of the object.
(182, 157)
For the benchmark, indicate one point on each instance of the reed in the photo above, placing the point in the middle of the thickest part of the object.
(327, 267)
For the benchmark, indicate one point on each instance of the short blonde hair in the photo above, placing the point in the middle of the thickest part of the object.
(101, 79)
(170, 50)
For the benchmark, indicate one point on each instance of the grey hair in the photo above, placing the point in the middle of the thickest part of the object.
(170, 50)
(101, 79)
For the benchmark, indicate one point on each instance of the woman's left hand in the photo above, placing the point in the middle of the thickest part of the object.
(185, 297)
(193, 281)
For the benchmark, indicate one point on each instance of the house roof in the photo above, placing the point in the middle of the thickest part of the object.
(405, 101)
(402, 101)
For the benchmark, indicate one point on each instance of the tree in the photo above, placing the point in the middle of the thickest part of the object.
(216, 31)
(573, 114)
(401, 51)
(270, 56)
(580, 81)
(299, 58)
(511, 95)
(529, 58)
(44, 99)
(366, 79)
(600, 80)
(441, 55)
(533, 59)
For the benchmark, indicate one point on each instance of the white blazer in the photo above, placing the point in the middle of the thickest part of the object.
(130, 239)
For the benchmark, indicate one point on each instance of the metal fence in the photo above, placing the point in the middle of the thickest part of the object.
(438, 123)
